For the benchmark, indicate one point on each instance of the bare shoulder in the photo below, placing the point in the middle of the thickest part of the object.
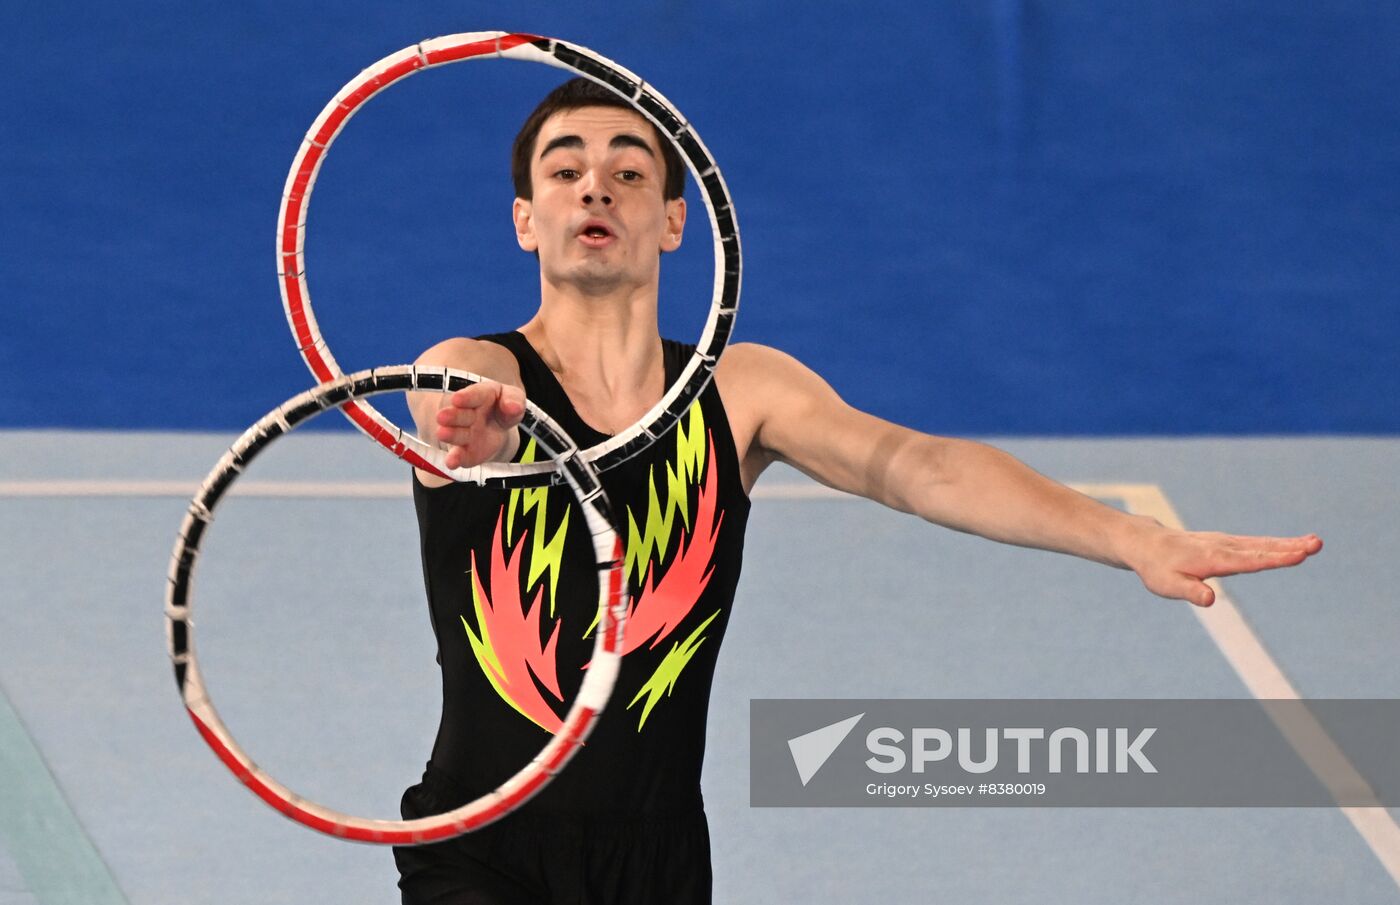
(751, 366)
(765, 391)
(750, 356)
(476, 355)
(760, 377)
(740, 375)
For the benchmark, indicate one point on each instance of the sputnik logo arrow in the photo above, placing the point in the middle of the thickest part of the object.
(811, 751)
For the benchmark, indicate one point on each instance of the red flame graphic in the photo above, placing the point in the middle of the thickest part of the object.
(664, 603)
(509, 649)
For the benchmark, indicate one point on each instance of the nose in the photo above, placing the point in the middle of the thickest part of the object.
(593, 191)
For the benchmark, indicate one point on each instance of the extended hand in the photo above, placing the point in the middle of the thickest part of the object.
(478, 423)
(1176, 563)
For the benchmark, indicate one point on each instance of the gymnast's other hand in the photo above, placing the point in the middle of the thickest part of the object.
(477, 424)
(1176, 564)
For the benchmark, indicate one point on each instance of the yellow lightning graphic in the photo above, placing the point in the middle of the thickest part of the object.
(544, 555)
(664, 679)
(690, 458)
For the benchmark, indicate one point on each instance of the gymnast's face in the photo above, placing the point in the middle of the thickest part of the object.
(598, 219)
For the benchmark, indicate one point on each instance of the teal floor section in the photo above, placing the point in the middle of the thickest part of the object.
(47, 851)
(13, 888)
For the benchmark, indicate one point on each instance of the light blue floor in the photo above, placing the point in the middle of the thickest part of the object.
(314, 637)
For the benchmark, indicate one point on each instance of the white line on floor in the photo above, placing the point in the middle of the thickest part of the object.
(312, 489)
(1261, 674)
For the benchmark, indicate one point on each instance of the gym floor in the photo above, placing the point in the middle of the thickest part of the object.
(314, 637)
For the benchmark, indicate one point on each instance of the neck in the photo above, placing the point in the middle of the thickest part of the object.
(607, 342)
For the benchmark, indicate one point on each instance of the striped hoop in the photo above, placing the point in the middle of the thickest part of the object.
(296, 198)
(598, 679)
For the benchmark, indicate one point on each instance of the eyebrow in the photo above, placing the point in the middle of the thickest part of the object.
(621, 140)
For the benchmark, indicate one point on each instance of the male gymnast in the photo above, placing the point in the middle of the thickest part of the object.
(509, 576)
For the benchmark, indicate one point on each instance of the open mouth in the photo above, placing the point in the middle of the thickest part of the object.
(594, 232)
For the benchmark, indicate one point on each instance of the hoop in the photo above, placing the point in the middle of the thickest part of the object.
(291, 236)
(598, 678)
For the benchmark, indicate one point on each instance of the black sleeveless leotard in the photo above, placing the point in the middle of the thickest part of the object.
(512, 593)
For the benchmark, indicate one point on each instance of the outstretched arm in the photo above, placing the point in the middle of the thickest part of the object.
(976, 488)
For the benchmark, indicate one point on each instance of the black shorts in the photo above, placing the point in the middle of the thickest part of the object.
(533, 859)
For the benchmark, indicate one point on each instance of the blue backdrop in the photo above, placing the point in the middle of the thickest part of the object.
(972, 217)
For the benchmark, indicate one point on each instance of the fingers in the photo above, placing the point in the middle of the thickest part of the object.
(1235, 555)
(477, 395)
(505, 400)
(1186, 559)
(511, 406)
(474, 449)
(1183, 587)
(1310, 543)
(477, 422)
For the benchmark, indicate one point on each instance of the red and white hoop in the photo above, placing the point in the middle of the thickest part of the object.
(291, 238)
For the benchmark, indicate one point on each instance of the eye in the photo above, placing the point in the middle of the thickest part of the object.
(566, 173)
(629, 176)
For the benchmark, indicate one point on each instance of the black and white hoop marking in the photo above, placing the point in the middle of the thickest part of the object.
(291, 235)
(598, 678)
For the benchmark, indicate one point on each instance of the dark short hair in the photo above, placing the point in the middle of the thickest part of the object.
(573, 94)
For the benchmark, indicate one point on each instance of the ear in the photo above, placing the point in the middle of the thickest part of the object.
(675, 225)
(522, 213)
